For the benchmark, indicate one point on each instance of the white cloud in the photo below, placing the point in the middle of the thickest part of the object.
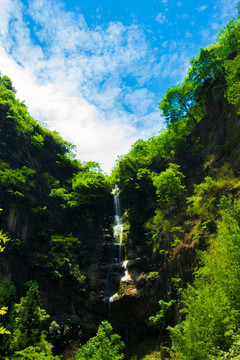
(182, 16)
(223, 12)
(165, 44)
(202, 8)
(161, 18)
(188, 34)
(140, 101)
(74, 118)
(225, 9)
(215, 25)
(6, 9)
(75, 85)
(176, 64)
(208, 36)
(154, 121)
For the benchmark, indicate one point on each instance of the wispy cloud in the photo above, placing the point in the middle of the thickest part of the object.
(182, 16)
(188, 34)
(202, 8)
(140, 101)
(73, 80)
(175, 63)
(161, 18)
(223, 10)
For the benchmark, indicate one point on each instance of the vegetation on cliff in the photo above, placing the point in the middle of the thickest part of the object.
(53, 211)
(180, 195)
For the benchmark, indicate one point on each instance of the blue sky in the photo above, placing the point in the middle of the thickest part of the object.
(95, 71)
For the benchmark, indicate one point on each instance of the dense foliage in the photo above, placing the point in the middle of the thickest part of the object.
(53, 210)
(211, 325)
(105, 345)
(181, 194)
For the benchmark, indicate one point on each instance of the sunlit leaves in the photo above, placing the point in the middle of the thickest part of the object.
(212, 304)
(178, 103)
(169, 187)
(3, 311)
(162, 316)
(90, 189)
(105, 345)
(233, 81)
(7, 83)
(204, 200)
(188, 100)
(34, 352)
(228, 39)
(3, 239)
(206, 66)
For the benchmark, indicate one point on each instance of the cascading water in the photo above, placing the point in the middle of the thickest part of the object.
(118, 226)
(117, 266)
(116, 253)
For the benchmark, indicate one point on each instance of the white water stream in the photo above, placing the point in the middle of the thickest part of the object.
(118, 226)
(118, 237)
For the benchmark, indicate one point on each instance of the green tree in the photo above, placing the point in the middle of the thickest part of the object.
(105, 345)
(205, 69)
(169, 187)
(90, 188)
(90, 191)
(29, 321)
(232, 68)
(228, 39)
(31, 353)
(7, 83)
(179, 103)
(162, 318)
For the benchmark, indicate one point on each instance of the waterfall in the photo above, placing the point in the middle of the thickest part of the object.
(118, 273)
(118, 225)
(117, 240)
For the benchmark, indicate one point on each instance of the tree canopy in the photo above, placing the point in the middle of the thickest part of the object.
(105, 345)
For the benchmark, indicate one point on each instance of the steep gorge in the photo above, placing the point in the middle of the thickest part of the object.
(219, 138)
(176, 190)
